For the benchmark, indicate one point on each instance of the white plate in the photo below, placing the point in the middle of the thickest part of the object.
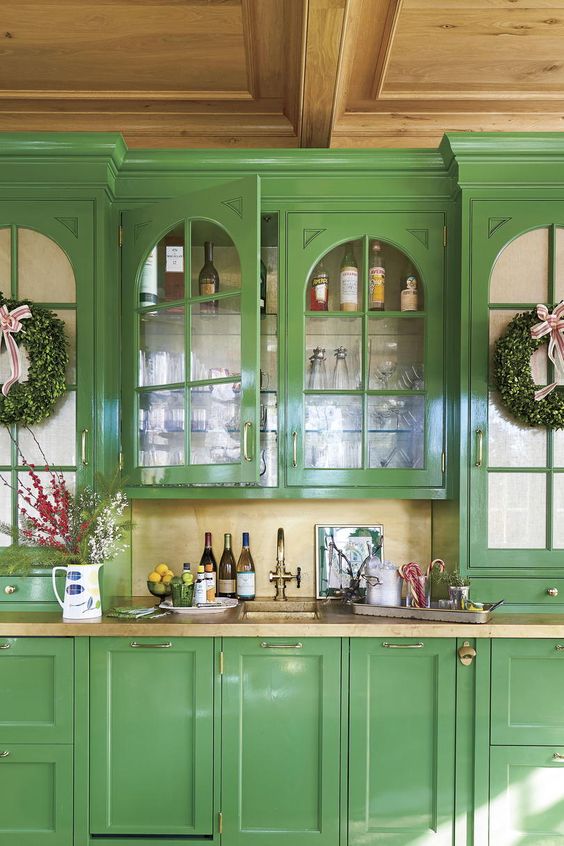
(226, 604)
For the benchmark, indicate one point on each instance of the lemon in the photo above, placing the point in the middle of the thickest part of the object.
(161, 569)
(170, 573)
(154, 576)
(168, 578)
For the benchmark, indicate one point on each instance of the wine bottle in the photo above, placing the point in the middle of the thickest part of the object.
(349, 280)
(262, 288)
(148, 284)
(227, 581)
(174, 267)
(377, 278)
(319, 288)
(208, 280)
(246, 578)
(210, 567)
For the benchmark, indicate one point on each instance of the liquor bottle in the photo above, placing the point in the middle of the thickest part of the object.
(208, 280)
(210, 567)
(377, 278)
(319, 289)
(349, 280)
(246, 580)
(408, 296)
(148, 284)
(174, 267)
(262, 288)
(227, 581)
(200, 597)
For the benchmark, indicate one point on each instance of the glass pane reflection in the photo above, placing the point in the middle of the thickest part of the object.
(161, 428)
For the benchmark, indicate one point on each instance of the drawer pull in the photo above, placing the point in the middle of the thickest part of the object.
(559, 647)
(166, 645)
(9, 589)
(418, 645)
(558, 757)
(5, 645)
(4, 754)
(84, 447)
(479, 448)
(552, 591)
(246, 429)
(266, 645)
(294, 449)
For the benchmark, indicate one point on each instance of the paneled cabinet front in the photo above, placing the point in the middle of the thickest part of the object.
(151, 736)
(365, 350)
(281, 741)
(402, 742)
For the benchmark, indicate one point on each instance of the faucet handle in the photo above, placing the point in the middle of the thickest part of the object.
(298, 576)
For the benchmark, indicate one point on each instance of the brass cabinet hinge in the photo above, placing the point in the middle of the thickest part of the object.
(443, 461)
(220, 823)
(120, 235)
(445, 236)
(221, 663)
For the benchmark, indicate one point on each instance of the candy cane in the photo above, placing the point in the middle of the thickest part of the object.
(412, 574)
(438, 563)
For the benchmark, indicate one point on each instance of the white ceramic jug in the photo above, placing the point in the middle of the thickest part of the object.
(82, 591)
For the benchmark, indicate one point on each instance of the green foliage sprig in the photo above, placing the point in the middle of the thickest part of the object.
(43, 337)
(512, 365)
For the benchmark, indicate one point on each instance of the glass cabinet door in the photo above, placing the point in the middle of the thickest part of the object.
(191, 281)
(516, 471)
(365, 350)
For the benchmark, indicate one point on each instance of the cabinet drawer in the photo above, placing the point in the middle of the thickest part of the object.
(36, 692)
(16, 590)
(521, 591)
(527, 692)
(36, 791)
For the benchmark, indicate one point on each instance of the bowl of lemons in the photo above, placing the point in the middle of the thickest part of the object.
(158, 581)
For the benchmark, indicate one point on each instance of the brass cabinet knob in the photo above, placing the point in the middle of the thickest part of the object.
(552, 591)
(10, 589)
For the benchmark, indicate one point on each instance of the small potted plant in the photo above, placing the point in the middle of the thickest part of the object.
(458, 587)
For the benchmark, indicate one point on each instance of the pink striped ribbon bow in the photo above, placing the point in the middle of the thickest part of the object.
(552, 324)
(9, 325)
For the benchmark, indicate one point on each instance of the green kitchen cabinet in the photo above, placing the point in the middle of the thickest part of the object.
(36, 790)
(191, 352)
(402, 741)
(151, 736)
(526, 796)
(365, 392)
(281, 741)
(36, 690)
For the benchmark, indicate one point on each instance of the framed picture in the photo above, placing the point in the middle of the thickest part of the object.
(340, 552)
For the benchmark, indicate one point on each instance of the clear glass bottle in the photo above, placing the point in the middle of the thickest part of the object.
(409, 300)
(319, 299)
(227, 581)
(208, 280)
(317, 380)
(349, 280)
(376, 278)
(341, 371)
(246, 577)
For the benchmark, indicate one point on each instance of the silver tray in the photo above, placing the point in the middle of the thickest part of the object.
(445, 615)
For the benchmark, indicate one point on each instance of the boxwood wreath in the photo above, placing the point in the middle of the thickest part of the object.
(512, 366)
(44, 340)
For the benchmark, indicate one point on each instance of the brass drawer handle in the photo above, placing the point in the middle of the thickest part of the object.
(479, 447)
(558, 757)
(5, 645)
(552, 591)
(4, 754)
(135, 645)
(266, 645)
(9, 589)
(418, 645)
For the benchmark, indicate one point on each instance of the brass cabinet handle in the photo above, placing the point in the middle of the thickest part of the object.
(479, 447)
(557, 757)
(246, 428)
(418, 645)
(83, 448)
(135, 645)
(559, 647)
(9, 589)
(552, 591)
(5, 645)
(294, 449)
(4, 754)
(266, 645)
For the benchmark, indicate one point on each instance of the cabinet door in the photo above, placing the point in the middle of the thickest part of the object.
(151, 736)
(365, 384)
(281, 741)
(36, 787)
(401, 742)
(191, 351)
(526, 796)
(527, 691)
(516, 471)
(36, 690)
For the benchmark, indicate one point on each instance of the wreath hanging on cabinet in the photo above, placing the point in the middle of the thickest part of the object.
(512, 365)
(42, 335)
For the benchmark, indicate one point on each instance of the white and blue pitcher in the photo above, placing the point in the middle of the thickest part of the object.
(82, 591)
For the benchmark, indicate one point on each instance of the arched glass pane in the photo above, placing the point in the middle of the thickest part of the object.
(162, 275)
(44, 272)
(520, 273)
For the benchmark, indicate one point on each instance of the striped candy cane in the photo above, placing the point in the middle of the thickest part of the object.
(411, 573)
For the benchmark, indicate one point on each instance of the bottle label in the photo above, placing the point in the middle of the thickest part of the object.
(245, 585)
(207, 287)
(174, 259)
(349, 285)
(227, 586)
(408, 300)
(148, 285)
(377, 282)
(320, 289)
(200, 593)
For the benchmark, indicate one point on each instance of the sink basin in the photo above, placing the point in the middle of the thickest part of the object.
(291, 611)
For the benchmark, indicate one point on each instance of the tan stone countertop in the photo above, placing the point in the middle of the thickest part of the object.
(333, 620)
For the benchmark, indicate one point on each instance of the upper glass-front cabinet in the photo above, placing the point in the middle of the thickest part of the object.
(365, 350)
(191, 363)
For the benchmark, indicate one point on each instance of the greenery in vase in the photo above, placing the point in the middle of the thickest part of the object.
(59, 527)
(454, 579)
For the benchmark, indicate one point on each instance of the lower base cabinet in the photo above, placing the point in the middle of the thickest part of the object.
(526, 796)
(36, 795)
(281, 741)
(402, 742)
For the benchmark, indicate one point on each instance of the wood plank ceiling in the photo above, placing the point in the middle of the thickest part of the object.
(281, 73)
